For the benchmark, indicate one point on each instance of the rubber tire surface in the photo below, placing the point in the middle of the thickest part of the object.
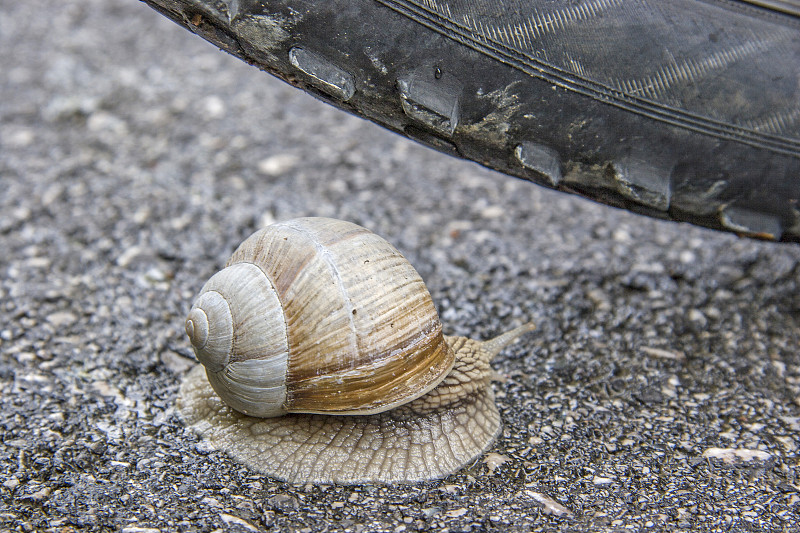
(682, 109)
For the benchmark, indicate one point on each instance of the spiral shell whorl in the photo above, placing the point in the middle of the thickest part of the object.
(238, 333)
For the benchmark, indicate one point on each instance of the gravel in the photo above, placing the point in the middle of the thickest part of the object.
(661, 390)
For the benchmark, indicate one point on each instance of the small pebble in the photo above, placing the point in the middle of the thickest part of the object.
(62, 319)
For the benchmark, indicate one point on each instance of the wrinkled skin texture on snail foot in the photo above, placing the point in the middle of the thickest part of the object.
(427, 438)
(403, 445)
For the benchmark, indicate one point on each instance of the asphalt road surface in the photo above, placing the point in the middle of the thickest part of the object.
(661, 390)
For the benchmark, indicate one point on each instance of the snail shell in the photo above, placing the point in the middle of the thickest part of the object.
(316, 317)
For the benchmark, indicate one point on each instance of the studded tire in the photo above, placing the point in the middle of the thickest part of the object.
(687, 110)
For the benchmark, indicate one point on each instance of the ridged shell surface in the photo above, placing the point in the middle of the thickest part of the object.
(363, 333)
(238, 333)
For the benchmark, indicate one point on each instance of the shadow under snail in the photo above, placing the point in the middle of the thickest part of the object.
(323, 361)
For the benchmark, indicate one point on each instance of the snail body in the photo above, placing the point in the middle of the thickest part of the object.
(313, 319)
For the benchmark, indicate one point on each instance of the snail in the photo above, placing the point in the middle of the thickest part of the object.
(323, 361)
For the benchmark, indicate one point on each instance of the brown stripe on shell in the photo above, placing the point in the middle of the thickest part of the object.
(394, 379)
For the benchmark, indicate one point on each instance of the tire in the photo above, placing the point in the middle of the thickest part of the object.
(684, 109)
